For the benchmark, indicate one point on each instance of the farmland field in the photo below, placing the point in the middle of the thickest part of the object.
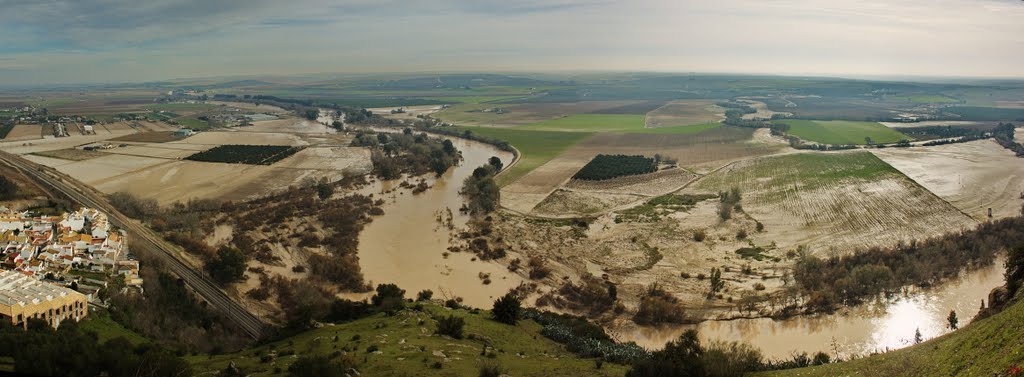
(245, 154)
(843, 132)
(972, 176)
(685, 113)
(613, 123)
(536, 147)
(841, 199)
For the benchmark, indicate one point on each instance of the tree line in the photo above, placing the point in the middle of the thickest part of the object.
(853, 278)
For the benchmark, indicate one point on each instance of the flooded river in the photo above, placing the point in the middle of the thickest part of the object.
(406, 246)
(856, 331)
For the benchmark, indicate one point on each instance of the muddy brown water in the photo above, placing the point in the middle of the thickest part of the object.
(855, 331)
(406, 246)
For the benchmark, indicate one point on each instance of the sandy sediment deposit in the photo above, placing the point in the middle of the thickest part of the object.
(972, 176)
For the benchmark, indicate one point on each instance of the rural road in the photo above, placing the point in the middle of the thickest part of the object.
(145, 240)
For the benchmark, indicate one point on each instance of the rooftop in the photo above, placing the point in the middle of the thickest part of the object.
(19, 289)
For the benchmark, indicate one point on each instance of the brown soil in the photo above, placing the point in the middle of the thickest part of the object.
(25, 132)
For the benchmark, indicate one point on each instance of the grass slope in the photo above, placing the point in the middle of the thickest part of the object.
(843, 132)
(99, 322)
(625, 123)
(406, 346)
(536, 147)
(987, 347)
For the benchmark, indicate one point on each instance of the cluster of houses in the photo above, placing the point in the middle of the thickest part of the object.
(77, 249)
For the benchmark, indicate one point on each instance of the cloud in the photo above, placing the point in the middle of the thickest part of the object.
(63, 39)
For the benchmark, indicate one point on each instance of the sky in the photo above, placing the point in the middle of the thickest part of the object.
(86, 41)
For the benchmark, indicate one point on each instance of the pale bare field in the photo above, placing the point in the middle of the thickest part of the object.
(653, 184)
(356, 160)
(25, 132)
(930, 123)
(142, 150)
(684, 113)
(972, 176)
(834, 202)
(101, 169)
(1010, 104)
(288, 125)
(52, 143)
(1018, 135)
(572, 203)
(238, 137)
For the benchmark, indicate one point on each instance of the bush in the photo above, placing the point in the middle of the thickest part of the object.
(657, 307)
(424, 295)
(318, 366)
(8, 189)
(228, 267)
(506, 309)
(451, 326)
(490, 370)
(700, 235)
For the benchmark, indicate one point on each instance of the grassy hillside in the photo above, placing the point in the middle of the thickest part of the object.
(843, 132)
(992, 346)
(405, 345)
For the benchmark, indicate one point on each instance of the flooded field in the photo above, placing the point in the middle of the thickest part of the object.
(856, 331)
(406, 246)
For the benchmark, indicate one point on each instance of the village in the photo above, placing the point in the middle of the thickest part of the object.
(80, 250)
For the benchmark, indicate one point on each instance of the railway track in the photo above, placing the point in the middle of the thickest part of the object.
(144, 239)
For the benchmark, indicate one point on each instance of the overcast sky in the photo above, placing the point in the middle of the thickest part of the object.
(61, 41)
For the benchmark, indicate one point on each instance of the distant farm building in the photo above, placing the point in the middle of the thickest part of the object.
(184, 132)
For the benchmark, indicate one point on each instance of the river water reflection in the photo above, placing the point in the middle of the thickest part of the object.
(855, 331)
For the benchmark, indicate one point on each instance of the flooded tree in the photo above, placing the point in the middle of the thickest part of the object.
(953, 321)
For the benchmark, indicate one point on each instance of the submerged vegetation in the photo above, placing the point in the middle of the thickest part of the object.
(851, 279)
(395, 154)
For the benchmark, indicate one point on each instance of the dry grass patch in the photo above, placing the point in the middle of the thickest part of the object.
(72, 154)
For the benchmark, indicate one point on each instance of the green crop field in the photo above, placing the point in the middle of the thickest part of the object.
(404, 345)
(624, 123)
(780, 175)
(193, 123)
(536, 147)
(987, 347)
(843, 132)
